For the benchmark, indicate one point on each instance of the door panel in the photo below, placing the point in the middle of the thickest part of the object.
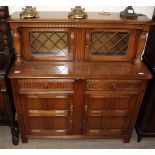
(108, 112)
(47, 114)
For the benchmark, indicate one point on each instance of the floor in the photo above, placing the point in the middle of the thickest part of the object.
(5, 143)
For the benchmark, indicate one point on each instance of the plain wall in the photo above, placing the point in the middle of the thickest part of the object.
(147, 10)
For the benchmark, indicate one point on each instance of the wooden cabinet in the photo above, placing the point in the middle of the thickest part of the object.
(145, 124)
(78, 78)
(7, 109)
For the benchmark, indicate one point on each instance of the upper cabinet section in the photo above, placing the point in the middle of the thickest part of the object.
(100, 37)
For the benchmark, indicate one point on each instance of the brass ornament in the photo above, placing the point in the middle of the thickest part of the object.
(77, 13)
(29, 12)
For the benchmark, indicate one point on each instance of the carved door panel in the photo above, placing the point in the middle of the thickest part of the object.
(47, 114)
(108, 112)
(48, 44)
(109, 45)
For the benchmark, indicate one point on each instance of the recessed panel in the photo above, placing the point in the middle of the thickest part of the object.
(49, 42)
(109, 43)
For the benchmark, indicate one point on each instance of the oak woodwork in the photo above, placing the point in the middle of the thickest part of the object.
(17, 46)
(142, 41)
(80, 94)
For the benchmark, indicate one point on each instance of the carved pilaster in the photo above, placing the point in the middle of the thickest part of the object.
(141, 43)
(17, 46)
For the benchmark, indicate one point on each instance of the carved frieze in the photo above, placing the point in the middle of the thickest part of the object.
(28, 85)
(114, 85)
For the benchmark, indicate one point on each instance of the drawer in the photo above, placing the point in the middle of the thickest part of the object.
(45, 84)
(114, 85)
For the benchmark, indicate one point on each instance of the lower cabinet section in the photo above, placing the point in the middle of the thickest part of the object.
(77, 108)
(47, 114)
(108, 112)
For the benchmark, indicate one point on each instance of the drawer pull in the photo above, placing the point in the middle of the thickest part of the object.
(45, 86)
(113, 86)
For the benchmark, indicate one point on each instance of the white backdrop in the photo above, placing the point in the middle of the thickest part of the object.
(147, 10)
(140, 6)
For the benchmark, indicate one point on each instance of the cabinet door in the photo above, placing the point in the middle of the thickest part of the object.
(47, 114)
(108, 113)
(109, 45)
(48, 44)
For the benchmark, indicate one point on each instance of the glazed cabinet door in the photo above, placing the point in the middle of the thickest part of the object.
(109, 44)
(47, 114)
(48, 44)
(108, 113)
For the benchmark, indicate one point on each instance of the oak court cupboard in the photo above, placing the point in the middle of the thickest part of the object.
(78, 78)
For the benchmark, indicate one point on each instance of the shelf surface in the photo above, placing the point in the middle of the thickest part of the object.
(116, 70)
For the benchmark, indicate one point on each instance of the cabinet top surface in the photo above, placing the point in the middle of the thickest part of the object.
(45, 16)
(117, 70)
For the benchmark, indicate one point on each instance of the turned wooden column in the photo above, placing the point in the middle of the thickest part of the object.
(17, 46)
(141, 43)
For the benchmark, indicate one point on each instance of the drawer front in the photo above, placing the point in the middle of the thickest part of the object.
(45, 84)
(114, 85)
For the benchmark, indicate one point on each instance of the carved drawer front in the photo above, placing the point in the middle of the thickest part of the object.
(45, 84)
(114, 85)
(47, 114)
(108, 113)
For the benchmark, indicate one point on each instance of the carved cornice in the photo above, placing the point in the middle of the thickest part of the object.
(82, 25)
